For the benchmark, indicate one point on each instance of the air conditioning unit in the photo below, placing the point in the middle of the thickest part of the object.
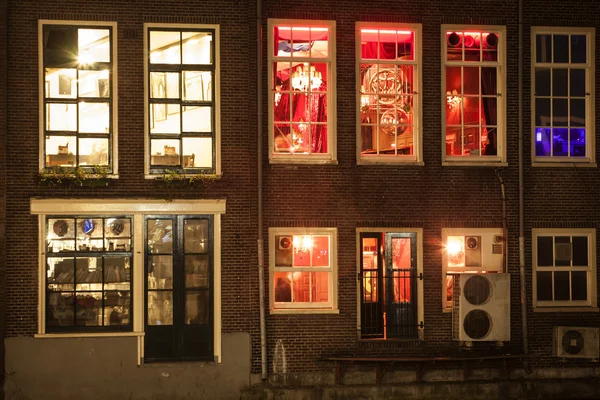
(576, 342)
(482, 308)
(473, 250)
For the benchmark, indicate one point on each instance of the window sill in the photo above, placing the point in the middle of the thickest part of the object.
(466, 163)
(565, 309)
(390, 163)
(303, 160)
(569, 164)
(161, 176)
(86, 335)
(304, 311)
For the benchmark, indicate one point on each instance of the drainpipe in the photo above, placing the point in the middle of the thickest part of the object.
(522, 192)
(259, 173)
(504, 223)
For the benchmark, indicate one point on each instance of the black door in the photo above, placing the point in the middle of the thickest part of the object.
(178, 287)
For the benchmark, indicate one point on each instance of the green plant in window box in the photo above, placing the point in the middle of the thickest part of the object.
(173, 177)
(94, 175)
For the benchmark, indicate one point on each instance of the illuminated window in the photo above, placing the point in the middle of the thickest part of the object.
(564, 268)
(301, 101)
(79, 113)
(562, 83)
(473, 92)
(88, 273)
(391, 284)
(303, 269)
(182, 72)
(388, 101)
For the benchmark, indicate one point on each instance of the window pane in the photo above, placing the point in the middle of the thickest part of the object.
(164, 152)
(543, 48)
(560, 82)
(117, 273)
(94, 46)
(561, 48)
(545, 254)
(88, 309)
(165, 47)
(117, 308)
(471, 80)
(164, 85)
(544, 286)
(579, 285)
(60, 83)
(60, 309)
(562, 251)
(319, 38)
(197, 47)
(197, 152)
(580, 251)
(197, 86)
(195, 236)
(542, 112)
(60, 46)
(196, 271)
(578, 49)
(94, 83)
(160, 308)
(301, 287)
(60, 273)
(560, 110)
(60, 151)
(160, 269)
(197, 308)
(542, 142)
(283, 250)
(388, 45)
(116, 228)
(61, 117)
(320, 252)
(283, 287)
(562, 286)
(160, 236)
(560, 142)
(163, 122)
(401, 253)
(578, 147)
(93, 151)
(94, 117)
(453, 80)
(577, 112)
(577, 82)
(197, 119)
(303, 245)
(472, 46)
(542, 81)
(320, 287)
(454, 141)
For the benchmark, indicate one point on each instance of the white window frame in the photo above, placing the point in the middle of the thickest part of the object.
(331, 307)
(567, 305)
(417, 157)
(316, 158)
(114, 109)
(420, 294)
(457, 271)
(500, 158)
(137, 209)
(217, 93)
(590, 136)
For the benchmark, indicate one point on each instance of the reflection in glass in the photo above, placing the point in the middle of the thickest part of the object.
(160, 307)
(160, 236)
(160, 272)
(196, 308)
(195, 235)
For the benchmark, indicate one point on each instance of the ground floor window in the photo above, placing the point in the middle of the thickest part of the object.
(390, 284)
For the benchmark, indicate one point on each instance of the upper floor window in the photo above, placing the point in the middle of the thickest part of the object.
(303, 269)
(388, 81)
(182, 86)
(78, 110)
(562, 83)
(302, 86)
(473, 86)
(564, 268)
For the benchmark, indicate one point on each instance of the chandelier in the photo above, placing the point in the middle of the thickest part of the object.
(304, 78)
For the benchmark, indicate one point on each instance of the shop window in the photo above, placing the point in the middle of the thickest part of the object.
(562, 85)
(389, 61)
(78, 112)
(182, 102)
(302, 88)
(474, 76)
(303, 269)
(564, 268)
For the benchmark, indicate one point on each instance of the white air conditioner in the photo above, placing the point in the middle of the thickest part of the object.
(482, 310)
(576, 342)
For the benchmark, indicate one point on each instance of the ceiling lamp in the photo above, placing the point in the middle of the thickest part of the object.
(304, 78)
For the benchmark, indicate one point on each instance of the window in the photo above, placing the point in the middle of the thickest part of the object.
(390, 270)
(469, 250)
(473, 87)
(88, 273)
(132, 267)
(78, 110)
(562, 65)
(389, 65)
(182, 102)
(303, 269)
(564, 268)
(302, 88)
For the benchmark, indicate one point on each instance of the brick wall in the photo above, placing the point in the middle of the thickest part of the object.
(3, 41)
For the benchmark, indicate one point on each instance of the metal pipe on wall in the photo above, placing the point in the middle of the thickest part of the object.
(259, 184)
(521, 189)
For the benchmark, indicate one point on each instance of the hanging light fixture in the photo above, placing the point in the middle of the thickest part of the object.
(304, 78)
